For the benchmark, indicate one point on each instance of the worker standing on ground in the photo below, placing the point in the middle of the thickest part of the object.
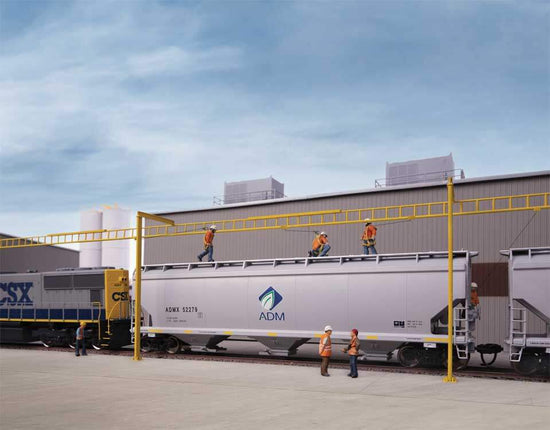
(80, 340)
(320, 246)
(208, 244)
(353, 351)
(325, 350)
(474, 312)
(369, 238)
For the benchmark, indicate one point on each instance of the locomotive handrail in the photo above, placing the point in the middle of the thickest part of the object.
(63, 306)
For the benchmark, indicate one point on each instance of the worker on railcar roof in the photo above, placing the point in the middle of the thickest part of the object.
(320, 246)
(369, 238)
(208, 244)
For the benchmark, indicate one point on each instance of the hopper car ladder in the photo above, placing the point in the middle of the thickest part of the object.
(518, 333)
(461, 332)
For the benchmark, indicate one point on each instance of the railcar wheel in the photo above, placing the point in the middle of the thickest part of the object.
(47, 343)
(173, 345)
(146, 345)
(46, 340)
(529, 364)
(409, 356)
(96, 344)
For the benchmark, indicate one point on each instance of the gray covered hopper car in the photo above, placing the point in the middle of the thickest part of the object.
(396, 301)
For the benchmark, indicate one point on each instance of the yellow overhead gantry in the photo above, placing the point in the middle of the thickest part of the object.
(167, 228)
(484, 205)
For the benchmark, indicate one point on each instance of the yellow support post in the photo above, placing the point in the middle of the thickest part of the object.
(137, 291)
(450, 316)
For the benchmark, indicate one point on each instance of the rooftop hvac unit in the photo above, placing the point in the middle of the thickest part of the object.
(250, 191)
(423, 170)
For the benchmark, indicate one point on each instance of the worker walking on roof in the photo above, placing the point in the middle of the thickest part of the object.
(325, 350)
(320, 246)
(369, 238)
(208, 244)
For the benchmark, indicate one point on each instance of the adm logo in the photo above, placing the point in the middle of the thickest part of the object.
(269, 299)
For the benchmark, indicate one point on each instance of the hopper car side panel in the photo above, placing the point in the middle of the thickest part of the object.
(389, 298)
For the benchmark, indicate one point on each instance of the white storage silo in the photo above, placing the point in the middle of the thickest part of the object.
(90, 253)
(116, 253)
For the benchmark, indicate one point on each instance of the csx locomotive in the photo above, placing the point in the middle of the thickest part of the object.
(49, 306)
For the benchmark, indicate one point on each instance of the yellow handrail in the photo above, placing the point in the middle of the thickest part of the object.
(477, 206)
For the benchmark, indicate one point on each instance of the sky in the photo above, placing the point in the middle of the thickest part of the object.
(152, 105)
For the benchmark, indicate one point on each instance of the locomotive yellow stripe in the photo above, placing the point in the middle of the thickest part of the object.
(317, 335)
(371, 337)
(228, 332)
(154, 330)
(272, 334)
(188, 331)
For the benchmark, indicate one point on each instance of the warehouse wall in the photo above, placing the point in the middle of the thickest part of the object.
(484, 233)
(487, 234)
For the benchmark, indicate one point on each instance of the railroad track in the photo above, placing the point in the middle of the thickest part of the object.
(473, 372)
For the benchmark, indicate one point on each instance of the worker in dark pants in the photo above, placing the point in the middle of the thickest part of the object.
(325, 350)
(208, 244)
(80, 340)
(353, 351)
(369, 238)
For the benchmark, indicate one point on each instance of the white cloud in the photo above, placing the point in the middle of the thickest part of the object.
(154, 106)
(174, 61)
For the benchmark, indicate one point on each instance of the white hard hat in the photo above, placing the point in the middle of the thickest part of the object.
(367, 220)
(213, 227)
(474, 285)
(328, 327)
(323, 233)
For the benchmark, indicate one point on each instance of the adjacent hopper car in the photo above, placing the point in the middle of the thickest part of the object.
(48, 307)
(529, 296)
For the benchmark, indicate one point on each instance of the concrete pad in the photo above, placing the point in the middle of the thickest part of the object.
(55, 390)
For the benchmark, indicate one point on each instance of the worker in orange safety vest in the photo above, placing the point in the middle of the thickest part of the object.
(474, 310)
(369, 238)
(208, 244)
(325, 350)
(353, 351)
(320, 246)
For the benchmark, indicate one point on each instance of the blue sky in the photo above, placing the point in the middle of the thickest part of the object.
(154, 104)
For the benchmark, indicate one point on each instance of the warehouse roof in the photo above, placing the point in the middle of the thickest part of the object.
(367, 191)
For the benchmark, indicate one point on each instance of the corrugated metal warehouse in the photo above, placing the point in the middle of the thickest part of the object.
(487, 234)
(40, 258)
